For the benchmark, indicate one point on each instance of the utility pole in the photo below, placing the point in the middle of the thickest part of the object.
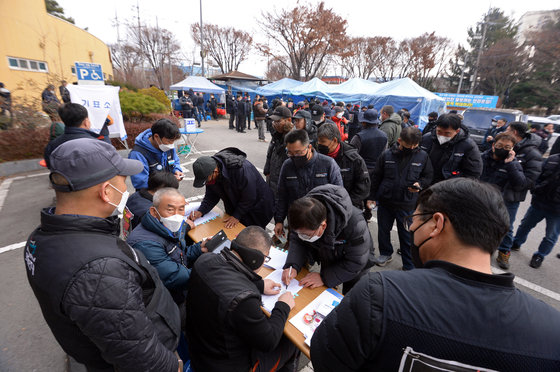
(201, 41)
(473, 82)
(462, 74)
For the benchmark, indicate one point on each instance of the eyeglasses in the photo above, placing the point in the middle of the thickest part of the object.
(267, 259)
(408, 219)
(297, 153)
(508, 148)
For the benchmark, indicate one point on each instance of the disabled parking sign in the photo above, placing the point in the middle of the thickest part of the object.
(89, 73)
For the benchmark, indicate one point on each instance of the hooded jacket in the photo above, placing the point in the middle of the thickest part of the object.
(341, 124)
(240, 186)
(355, 175)
(157, 160)
(530, 158)
(459, 157)
(392, 128)
(167, 252)
(344, 248)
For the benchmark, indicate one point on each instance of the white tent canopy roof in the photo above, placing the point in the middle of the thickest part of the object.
(198, 84)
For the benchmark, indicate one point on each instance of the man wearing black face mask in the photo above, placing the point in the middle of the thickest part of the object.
(400, 173)
(453, 308)
(355, 176)
(226, 328)
(304, 170)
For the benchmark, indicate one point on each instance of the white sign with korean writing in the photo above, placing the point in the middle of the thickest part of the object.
(100, 101)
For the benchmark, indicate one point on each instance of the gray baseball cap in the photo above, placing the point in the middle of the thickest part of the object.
(88, 162)
(202, 168)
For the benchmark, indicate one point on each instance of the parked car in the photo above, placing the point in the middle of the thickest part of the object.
(479, 120)
(554, 117)
(544, 121)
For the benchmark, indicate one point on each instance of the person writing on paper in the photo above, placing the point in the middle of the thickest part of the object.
(326, 228)
(230, 177)
(451, 307)
(226, 328)
(161, 236)
(155, 148)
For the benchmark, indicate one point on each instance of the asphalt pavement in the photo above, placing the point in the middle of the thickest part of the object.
(26, 343)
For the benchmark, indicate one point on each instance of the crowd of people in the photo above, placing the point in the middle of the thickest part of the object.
(149, 298)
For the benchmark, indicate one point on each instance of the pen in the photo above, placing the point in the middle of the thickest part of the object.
(289, 275)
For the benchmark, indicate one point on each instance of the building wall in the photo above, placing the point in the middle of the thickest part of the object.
(534, 21)
(48, 43)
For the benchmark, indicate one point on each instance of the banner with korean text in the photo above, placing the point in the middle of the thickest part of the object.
(100, 101)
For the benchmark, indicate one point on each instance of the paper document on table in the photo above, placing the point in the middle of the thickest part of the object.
(269, 301)
(191, 207)
(278, 258)
(309, 318)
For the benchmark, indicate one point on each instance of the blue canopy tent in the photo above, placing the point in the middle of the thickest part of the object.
(198, 84)
(313, 88)
(353, 91)
(405, 93)
(279, 89)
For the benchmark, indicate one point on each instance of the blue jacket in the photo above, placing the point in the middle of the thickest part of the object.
(296, 183)
(140, 181)
(167, 252)
(240, 186)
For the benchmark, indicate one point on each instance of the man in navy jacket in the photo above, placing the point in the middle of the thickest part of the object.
(229, 176)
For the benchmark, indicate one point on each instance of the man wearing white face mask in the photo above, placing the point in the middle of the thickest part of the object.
(161, 237)
(326, 228)
(103, 301)
(155, 148)
(452, 152)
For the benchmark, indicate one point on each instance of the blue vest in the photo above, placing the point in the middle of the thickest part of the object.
(374, 143)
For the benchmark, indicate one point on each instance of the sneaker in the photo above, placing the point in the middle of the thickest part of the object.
(503, 260)
(536, 261)
(383, 260)
(515, 247)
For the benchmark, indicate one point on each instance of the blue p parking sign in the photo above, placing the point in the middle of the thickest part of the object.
(89, 73)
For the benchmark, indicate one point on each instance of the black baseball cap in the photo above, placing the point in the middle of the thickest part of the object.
(88, 162)
(317, 112)
(202, 168)
(281, 112)
(369, 116)
(302, 114)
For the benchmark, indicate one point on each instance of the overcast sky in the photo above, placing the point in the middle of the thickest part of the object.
(398, 19)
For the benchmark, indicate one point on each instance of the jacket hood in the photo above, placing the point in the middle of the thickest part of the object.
(231, 157)
(395, 118)
(339, 206)
(143, 140)
(310, 127)
(530, 139)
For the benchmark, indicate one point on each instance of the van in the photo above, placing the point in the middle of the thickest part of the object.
(478, 120)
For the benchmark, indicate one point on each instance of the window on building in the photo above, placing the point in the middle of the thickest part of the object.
(73, 69)
(104, 76)
(27, 64)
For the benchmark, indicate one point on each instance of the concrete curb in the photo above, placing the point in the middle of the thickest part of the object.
(11, 168)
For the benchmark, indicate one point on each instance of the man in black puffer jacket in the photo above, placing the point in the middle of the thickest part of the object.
(276, 155)
(226, 328)
(452, 152)
(230, 177)
(103, 301)
(450, 307)
(527, 153)
(326, 228)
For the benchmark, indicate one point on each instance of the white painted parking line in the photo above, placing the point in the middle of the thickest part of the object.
(11, 247)
(532, 286)
(30, 176)
(197, 197)
(4, 187)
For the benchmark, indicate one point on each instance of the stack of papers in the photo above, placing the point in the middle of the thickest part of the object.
(191, 207)
(309, 318)
(269, 301)
(278, 258)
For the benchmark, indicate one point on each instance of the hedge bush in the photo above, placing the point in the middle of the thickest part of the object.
(135, 106)
(157, 94)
